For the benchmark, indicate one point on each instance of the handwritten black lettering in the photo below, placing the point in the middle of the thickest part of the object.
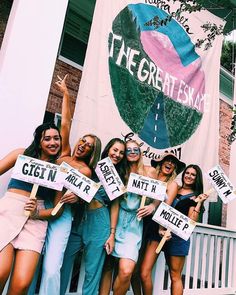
(52, 175)
(226, 193)
(86, 189)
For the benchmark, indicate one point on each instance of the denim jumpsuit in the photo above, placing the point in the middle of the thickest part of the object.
(90, 235)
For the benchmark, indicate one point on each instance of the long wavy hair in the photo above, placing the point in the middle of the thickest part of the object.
(93, 157)
(121, 166)
(34, 149)
(198, 184)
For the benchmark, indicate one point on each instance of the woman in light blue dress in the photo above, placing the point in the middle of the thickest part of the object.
(130, 225)
(129, 228)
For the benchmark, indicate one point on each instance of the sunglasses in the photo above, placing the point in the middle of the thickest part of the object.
(134, 150)
(83, 141)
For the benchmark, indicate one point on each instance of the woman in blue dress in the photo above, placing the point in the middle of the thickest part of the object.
(167, 166)
(129, 229)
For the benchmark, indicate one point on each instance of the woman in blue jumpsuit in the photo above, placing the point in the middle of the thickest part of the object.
(96, 230)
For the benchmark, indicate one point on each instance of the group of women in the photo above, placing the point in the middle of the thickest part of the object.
(106, 230)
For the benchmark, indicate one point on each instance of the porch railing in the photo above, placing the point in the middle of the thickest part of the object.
(210, 267)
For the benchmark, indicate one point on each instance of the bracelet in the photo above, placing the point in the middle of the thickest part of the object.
(112, 230)
(35, 214)
(196, 211)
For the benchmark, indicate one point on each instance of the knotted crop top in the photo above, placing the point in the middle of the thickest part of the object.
(42, 192)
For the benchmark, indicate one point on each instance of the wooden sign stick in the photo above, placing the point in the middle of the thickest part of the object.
(168, 231)
(32, 196)
(211, 190)
(142, 204)
(58, 205)
(163, 240)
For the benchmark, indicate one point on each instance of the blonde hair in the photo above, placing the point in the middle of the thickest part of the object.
(94, 157)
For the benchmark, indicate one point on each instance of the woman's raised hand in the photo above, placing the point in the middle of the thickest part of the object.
(61, 84)
(201, 198)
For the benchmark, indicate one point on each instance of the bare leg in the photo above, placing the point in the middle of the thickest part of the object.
(6, 258)
(176, 264)
(136, 279)
(135, 282)
(24, 268)
(106, 280)
(122, 282)
(149, 260)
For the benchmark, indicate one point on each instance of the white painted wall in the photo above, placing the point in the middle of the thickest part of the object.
(27, 60)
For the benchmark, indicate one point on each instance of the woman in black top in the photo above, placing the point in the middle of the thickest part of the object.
(176, 249)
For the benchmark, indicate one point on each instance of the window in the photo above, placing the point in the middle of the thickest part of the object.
(76, 30)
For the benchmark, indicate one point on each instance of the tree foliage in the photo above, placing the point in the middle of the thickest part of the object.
(228, 56)
(211, 30)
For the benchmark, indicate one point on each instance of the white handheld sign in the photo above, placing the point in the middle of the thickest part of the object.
(172, 219)
(110, 179)
(79, 184)
(221, 184)
(147, 186)
(38, 172)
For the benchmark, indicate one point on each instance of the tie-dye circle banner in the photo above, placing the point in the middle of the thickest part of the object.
(156, 75)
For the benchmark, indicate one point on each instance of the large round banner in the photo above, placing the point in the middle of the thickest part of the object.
(156, 76)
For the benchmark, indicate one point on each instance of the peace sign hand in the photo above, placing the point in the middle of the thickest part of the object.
(61, 84)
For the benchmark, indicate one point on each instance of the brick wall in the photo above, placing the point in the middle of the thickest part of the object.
(224, 146)
(73, 81)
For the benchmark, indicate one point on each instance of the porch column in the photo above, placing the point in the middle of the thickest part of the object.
(27, 60)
